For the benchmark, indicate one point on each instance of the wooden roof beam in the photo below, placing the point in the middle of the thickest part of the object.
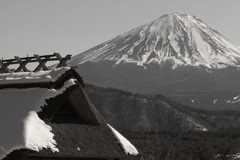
(42, 60)
(4, 68)
(22, 65)
(63, 61)
(41, 63)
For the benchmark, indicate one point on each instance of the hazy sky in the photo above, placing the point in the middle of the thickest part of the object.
(73, 26)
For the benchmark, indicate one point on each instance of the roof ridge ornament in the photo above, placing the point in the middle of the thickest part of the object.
(41, 59)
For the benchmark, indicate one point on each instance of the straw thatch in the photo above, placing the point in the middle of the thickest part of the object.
(79, 130)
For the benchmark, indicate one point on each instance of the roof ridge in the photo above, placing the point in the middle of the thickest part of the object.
(41, 59)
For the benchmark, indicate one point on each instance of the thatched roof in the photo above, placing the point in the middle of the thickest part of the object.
(53, 118)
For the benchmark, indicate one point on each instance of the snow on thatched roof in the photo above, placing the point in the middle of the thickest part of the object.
(38, 134)
(18, 118)
(127, 146)
(32, 77)
(31, 125)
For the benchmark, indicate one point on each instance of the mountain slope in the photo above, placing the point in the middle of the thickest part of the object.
(131, 112)
(177, 38)
(163, 129)
(176, 55)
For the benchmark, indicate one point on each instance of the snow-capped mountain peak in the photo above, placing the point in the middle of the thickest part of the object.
(177, 38)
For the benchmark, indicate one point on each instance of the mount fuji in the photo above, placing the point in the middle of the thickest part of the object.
(176, 55)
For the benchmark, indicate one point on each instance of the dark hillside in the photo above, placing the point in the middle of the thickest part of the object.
(187, 145)
(146, 113)
(166, 130)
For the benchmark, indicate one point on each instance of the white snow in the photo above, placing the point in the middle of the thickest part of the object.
(38, 134)
(235, 97)
(214, 102)
(32, 77)
(197, 126)
(235, 156)
(182, 38)
(19, 118)
(234, 100)
(128, 148)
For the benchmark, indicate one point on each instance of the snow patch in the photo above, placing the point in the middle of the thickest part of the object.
(22, 104)
(126, 145)
(196, 125)
(235, 156)
(234, 100)
(235, 97)
(37, 134)
(32, 77)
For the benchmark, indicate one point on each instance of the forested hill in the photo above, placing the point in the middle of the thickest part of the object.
(166, 130)
(152, 113)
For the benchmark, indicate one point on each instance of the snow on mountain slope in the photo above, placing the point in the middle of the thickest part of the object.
(178, 39)
(234, 100)
(176, 55)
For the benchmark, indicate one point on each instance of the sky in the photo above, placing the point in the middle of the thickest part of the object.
(42, 27)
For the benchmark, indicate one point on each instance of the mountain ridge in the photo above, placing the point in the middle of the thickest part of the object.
(172, 66)
(177, 38)
(167, 129)
(154, 113)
